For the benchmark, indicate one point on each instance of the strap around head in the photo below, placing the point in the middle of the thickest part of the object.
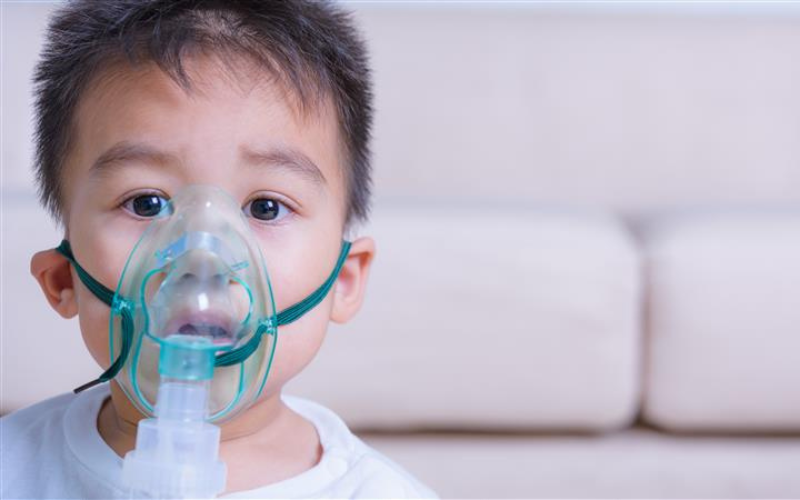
(97, 288)
(294, 312)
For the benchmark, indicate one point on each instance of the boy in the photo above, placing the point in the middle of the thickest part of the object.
(269, 101)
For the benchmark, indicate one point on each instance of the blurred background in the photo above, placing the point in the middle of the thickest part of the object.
(588, 222)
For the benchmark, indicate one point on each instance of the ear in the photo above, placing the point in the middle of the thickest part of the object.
(352, 282)
(52, 271)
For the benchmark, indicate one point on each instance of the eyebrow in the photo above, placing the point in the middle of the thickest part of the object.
(291, 159)
(286, 158)
(126, 151)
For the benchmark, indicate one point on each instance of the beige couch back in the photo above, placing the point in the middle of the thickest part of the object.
(632, 107)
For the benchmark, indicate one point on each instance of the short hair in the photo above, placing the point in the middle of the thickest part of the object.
(310, 46)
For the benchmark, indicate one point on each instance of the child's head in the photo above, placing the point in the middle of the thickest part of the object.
(269, 100)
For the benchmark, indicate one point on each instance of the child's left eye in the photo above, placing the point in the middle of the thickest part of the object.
(266, 209)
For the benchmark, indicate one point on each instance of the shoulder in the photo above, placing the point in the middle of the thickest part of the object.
(361, 471)
(380, 477)
(28, 425)
(38, 443)
(28, 438)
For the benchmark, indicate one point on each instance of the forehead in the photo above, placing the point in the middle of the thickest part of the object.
(221, 114)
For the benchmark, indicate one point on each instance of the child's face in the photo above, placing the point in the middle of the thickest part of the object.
(249, 140)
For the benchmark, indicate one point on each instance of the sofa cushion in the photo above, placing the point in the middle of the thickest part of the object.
(486, 319)
(724, 321)
(635, 463)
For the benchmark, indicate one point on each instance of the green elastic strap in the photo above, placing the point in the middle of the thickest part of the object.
(284, 317)
(97, 288)
(127, 337)
(107, 296)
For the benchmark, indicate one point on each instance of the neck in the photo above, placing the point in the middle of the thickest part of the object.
(118, 420)
(267, 433)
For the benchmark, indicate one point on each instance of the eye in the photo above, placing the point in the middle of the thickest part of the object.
(266, 209)
(145, 205)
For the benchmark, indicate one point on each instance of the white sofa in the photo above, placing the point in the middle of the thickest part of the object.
(588, 227)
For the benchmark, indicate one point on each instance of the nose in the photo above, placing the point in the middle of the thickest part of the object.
(195, 299)
(196, 278)
(200, 266)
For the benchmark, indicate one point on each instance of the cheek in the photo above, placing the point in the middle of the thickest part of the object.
(298, 268)
(103, 259)
(94, 316)
(298, 344)
(103, 252)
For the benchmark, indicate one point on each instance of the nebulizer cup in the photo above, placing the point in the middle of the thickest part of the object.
(176, 454)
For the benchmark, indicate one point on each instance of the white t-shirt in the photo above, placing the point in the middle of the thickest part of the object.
(53, 450)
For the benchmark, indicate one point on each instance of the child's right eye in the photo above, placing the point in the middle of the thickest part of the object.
(145, 205)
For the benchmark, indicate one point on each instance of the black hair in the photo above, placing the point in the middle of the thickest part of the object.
(311, 46)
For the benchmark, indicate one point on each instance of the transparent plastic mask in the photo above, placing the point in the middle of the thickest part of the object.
(196, 279)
